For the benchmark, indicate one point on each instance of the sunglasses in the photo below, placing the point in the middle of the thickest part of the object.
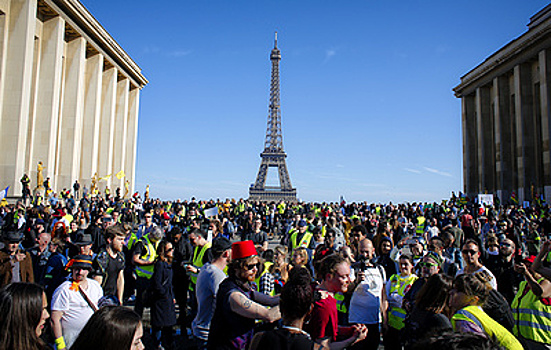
(252, 266)
(469, 251)
(427, 264)
(505, 245)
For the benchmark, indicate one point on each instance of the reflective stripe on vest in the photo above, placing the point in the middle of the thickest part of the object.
(400, 285)
(304, 241)
(474, 314)
(341, 305)
(198, 263)
(420, 229)
(150, 255)
(133, 239)
(532, 316)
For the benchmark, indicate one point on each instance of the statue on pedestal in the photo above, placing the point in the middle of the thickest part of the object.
(94, 184)
(126, 189)
(39, 176)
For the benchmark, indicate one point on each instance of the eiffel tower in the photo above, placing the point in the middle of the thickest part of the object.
(273, 155)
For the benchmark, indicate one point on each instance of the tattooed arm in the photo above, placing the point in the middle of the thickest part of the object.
(244, 306)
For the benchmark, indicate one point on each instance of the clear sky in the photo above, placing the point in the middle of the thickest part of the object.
(367, 105)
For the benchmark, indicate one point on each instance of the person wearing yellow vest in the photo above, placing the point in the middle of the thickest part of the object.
(265, 280)
(201, 255)
(532, 308)
(143, 257)
(396, 288)
(420, 227)
(301, 237)
(542, 264)
(468, 294)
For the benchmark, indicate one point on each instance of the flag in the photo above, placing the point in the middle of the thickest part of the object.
(120, 174)
(105, 178)
(4, 193)
(514, 198)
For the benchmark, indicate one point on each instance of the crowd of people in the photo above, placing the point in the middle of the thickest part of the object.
(77, 271)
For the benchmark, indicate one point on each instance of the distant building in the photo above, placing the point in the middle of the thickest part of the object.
(506, 114)
(69, 97)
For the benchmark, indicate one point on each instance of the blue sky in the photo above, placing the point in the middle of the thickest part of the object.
(367, 105)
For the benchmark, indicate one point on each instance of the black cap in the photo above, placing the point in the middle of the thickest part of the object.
(220, 245)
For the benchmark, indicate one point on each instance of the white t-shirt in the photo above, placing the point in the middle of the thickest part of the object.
(493, 280)
(365, 305)
(76, 311)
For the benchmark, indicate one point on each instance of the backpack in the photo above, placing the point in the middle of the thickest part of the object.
(496, 307)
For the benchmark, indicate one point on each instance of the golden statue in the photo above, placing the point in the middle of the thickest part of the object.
(39, 176)
(94, 184)
(126, 189)
(146, 194)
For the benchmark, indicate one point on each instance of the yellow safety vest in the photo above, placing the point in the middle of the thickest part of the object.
(198, 263)
(132, 240)
(150, 255)
(304, 241)
(400, 285)
(267, 265)
(341, 305)
(474, 314)
(420, 228)
(532, 316)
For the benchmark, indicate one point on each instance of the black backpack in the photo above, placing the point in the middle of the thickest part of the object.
(496, 307)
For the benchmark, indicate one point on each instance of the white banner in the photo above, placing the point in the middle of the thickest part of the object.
(486, 199)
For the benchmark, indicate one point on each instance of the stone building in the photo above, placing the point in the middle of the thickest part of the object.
(506, 117)
(69, 97)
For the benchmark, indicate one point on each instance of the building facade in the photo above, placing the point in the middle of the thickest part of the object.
(506, 117)
(69, 97)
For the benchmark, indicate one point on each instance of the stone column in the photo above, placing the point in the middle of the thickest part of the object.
(107, 122)
(121, 121)
(523, 116)
(502, 127)
(70, 136)
(16, 79)
(48, 97)
(485, 135)
(470, 155)
(132, 137)
(32, 123)
(91, 119)
(545, 96)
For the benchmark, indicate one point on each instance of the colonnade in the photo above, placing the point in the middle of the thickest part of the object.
(69, 97)
(506, 128)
